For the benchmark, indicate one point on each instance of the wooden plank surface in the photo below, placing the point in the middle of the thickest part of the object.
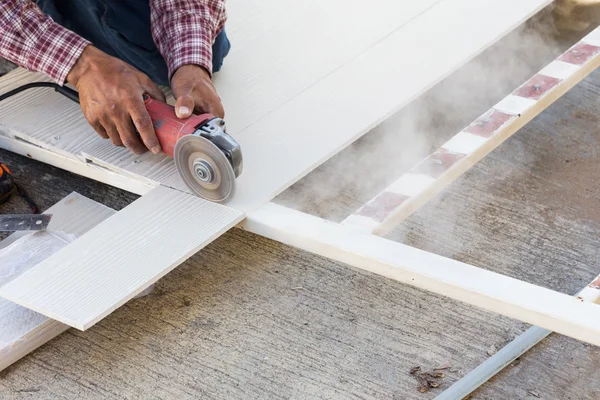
(297, 125)
(121, 257)
(23, 330)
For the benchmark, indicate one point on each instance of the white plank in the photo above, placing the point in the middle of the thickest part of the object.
(304, 132)
(402, 47)
(133, 183)
(121, 257)
(382, 213)
(294, 108)
(23, 330)
(273, 60)
(481, 288)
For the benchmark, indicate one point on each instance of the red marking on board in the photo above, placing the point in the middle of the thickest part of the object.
(437, 163)
(536, 87)
(488, 123)
(595, 284)
(579, 54)
(381, 206)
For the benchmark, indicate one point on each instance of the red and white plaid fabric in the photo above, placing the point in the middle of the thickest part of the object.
(183, 30)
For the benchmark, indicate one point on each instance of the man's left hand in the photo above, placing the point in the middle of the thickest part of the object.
(194, 91)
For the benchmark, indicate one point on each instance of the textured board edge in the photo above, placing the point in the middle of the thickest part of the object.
(74, 214)
(90, 169)
(122, 256)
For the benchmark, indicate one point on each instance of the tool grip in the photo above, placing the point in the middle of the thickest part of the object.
(167, 126)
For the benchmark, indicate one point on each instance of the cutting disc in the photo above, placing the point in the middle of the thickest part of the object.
(204, 168)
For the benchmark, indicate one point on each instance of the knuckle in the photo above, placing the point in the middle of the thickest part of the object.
(130, 142)
(142, 122)
(111, 110)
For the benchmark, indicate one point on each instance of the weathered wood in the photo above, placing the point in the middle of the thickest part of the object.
(493, 292)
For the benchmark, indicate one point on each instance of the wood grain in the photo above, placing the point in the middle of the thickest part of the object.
(121, 257)
(23, 330)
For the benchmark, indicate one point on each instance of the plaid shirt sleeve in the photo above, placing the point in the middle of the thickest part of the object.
(185, 30)
(34, 41)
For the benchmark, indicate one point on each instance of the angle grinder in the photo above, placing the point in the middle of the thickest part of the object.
(207, 158)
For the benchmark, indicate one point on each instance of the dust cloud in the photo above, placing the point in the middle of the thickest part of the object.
(366, 167)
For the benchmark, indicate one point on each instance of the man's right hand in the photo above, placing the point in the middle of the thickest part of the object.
(110, 94)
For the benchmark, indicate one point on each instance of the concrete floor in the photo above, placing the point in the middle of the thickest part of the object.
(249, 318)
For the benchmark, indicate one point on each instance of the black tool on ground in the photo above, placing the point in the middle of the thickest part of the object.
(24, 222)
(19, 222)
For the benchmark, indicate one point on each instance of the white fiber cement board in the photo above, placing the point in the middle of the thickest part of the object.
(279, 48)
(310, 120)
(112, 263)
(308, 123)
(23, 330)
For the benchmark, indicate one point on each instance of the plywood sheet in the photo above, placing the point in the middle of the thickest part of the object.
(109, 265)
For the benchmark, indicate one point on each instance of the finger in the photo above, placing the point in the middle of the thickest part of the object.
(112, 133)
(143, 124)
(208, 101)
(210, 104)
(128, 136)
(99, 129)
(153, 90)
(215, 107)
(184, 106)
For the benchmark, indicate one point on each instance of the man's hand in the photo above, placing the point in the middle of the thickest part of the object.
(110, 94)
(194, 91)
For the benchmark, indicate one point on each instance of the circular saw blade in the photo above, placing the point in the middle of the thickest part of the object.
(204, 168)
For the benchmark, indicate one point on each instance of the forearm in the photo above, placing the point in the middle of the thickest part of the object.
(184, 30)
(32, 40)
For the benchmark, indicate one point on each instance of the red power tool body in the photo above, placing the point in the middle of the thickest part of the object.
(207, 158)
(168, 127)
